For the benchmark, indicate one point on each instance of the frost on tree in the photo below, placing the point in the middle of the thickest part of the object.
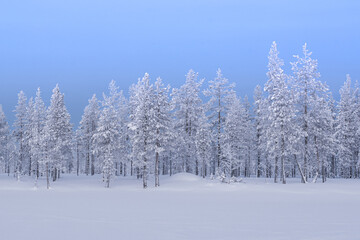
(142, 124)
(294, 129)
(188, 105)
(238, 140)
(263, 167)
(219, 91)
(347, 132)
(58, 136)
(87, 129)
(280, 132)
(203, 144)
(307, 88)
(19, 133)
(162, 117)
(108, 137)
(4, 142)
(232, 152)
(37, 117)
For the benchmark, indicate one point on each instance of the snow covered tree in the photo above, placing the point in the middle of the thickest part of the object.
(281, 132)
(203, 144)
(260, 127)
(58, 135)
(248, 135)
(142, 124)
(37, 117)
(175, 148)
(305, 82)
(346, 130)
(78, 149)
(107, 139)
(187, 105)
(232, 151)
(20, 125)
(88, 126)
(219, 90)
(4, 142)
(161, 114)
(321, 127)
(120, 105)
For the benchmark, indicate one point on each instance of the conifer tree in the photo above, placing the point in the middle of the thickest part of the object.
(219, 90)
(58, 136)
(203, 144)
(142, 124)
(188, 105)
(4, 141)
(161, 114)
(280, 132)
(88, 126)
(107, 138)
(305, 81)
(37, 117)
(346, 129)
(20, 125)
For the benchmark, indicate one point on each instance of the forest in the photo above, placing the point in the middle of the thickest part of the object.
(293, 129)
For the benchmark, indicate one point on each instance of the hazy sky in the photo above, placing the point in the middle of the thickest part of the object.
(83, 45)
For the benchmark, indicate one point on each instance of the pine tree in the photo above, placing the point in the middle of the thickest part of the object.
(106, 140)
(260, 126)
(161, 114)
(142, 124)
(346, 129)
(233, 148)
(20, 125)
(4, 142)
(322, 132)
(187, 105)
(248, 134)
(219, 90)
(117, 100)
(280, 132)
(203, 144)
(305, 82)
(37, 117)
(58, 134)
(88, 126)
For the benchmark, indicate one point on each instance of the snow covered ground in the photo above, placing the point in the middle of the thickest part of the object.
(184, 207)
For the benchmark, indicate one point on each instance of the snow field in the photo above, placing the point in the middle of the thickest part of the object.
(183, 207)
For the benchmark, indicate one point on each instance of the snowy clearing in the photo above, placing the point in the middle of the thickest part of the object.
(183, 207)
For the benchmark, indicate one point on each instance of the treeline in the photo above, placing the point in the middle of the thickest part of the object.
(294, 128)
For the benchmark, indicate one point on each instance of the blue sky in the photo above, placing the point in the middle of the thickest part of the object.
(83, 45)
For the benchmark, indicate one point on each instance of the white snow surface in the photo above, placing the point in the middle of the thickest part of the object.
(183, 207)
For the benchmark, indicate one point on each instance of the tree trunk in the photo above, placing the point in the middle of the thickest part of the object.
(54, 174)
(283, 161)
(305, 160)
(258, 165)
(203, 168)
(131, 168)
(170, 167)
(303, 178)
(30, 166)
(47, 176)
(108, 181)
(306, 137)
(323, 171)
(276, 170)
(87, 164)
(157, 184)
(92, 165)
(144, 177)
